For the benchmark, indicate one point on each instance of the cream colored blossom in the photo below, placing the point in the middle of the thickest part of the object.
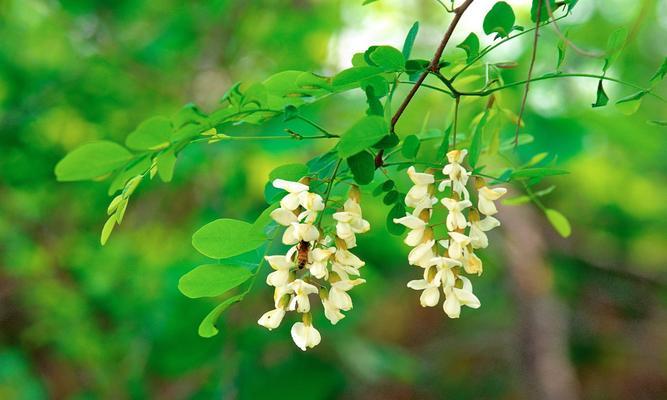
(455, 298)
(301, 290)
(417, 228)
(319, 261)
(458, 175)
(305, 335)
(478, 237)
(430, 286)
(338, 295)
(293, 199)
(282, 266)
(297, 232)
(487, 197)
(419, 196)
(455, 217)
(457, 243)
(271, 319)
(422, 254)
(331, 312)
(350, 222)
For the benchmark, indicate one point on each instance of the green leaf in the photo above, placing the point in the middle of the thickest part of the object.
(471, 46)
(630, 104)
(207, 327)
(283, 83)
(225, 238)
(368, 2)
(390, 198)
(500, 19)
(92, 160)
(657, 123)
(614, 46)
(362, 166)
(152, 134)
(601, 98)
(661, 72)
(363, 134)
(210, 280)
(570, 4)
(353, 76)
(107, 229)
(559, 222)
(476, 141)
(515, 201)
(166, 162)
(265, 217)
(387, 185)
(410, 40)
(414, 68)
(544, 11)
(537, 173)
(410, 146)
(374, 105)
(398, 211)
(562, 48)
(388, 58)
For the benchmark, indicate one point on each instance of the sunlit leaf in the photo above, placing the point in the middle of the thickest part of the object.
(353, 76)
(615, 44)
(225, 238)
(500, 19)
(661, 72)
(537, 173)
(559, 222)
(471, 46)
(388, 58)
(107, 229)
(165, 165)
(212, 280)
(630, 104)
(363, 134)
(152, 134)
(92, 160)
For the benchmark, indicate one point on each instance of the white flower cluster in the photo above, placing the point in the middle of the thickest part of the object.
(312, 265)
(444, 262)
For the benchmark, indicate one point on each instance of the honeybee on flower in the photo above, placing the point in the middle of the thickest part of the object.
(312, 266)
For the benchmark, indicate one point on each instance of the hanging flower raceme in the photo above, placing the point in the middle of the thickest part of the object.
(312, 265)
(446, 262)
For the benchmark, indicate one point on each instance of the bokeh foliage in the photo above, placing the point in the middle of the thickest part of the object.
(80, 320)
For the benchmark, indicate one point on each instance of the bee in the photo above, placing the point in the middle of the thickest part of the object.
(302, 253)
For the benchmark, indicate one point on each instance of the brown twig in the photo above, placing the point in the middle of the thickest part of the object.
(530, 73)
(433, 67)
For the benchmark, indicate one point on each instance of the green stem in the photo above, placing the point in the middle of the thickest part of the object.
(328, 192)
(490, 48)
(316, 126)
(431, 87)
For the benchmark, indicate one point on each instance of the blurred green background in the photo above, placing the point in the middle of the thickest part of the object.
(584, 317)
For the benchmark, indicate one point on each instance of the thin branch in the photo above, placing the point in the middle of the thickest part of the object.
(530, 71)
(456, 118)
(491, 48)
(568, 42)
(433, 65)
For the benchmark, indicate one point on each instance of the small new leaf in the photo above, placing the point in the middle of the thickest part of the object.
(614, 46)
(559, 222)
(471, 46)
(661, 72)
(410, 40)
(601, 98)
